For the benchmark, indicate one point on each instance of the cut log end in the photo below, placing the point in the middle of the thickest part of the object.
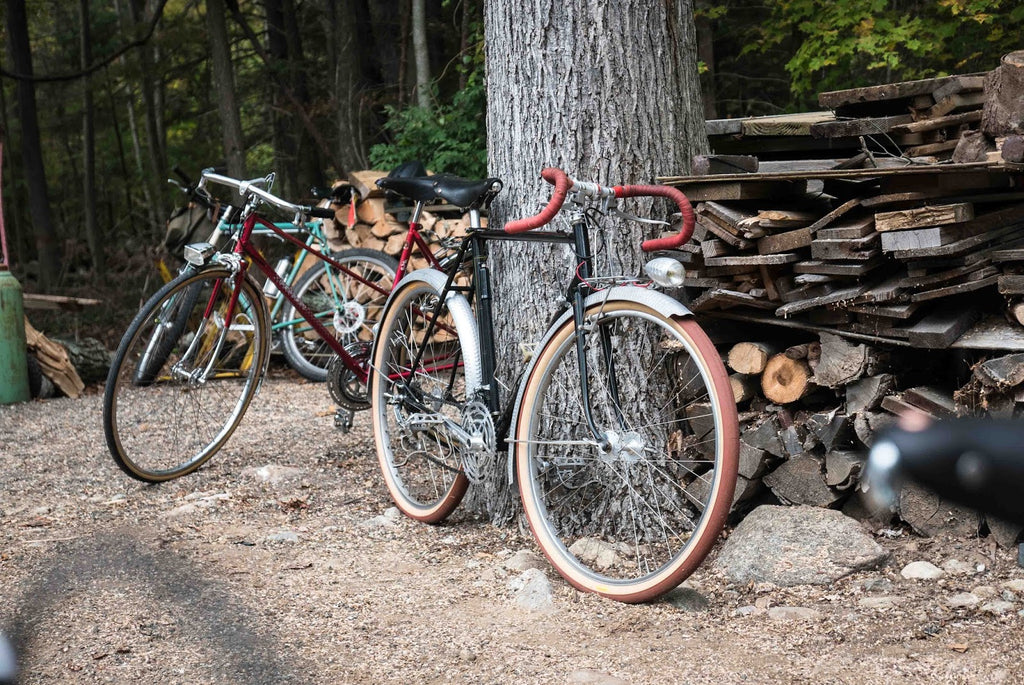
(749, 357)
(785, 380)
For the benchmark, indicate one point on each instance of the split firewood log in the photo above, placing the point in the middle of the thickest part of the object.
(750, 357)
(785, 380)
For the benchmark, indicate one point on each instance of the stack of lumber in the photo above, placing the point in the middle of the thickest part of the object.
(372, 220)
(910, 242)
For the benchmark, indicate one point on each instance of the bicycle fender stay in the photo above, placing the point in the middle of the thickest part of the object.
(658, 301)
(465, 325)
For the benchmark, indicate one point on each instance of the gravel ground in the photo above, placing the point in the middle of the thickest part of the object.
(280, 562)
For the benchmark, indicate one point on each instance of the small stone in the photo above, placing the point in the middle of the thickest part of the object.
(467, 655)
(283, 536)
(746, 610)
(921, 570)
(594, 678)
(273, 473)
(985, 591)
(595, 551)
(962, 600)
(393, 514)
(380, 522)
(524, 559)
(956, 567)
(881, 602)
(687, 599)
(1008, 596)
(182, 510)
(997, 607)
(532, 590)
(877, 585)
(793, 614)
(1015, 585)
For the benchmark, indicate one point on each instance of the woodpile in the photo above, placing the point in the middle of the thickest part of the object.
(374, 221)
(858, 264)
(908, 238)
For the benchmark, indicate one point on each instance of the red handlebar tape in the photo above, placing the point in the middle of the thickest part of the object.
(562, 185)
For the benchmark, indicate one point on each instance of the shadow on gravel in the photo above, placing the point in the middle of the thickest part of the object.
(203, 608)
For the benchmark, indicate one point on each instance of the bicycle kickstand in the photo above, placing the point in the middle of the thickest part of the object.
(343, 419)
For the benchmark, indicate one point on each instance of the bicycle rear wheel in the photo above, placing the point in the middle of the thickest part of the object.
(633, 514)
(170, 420)
(348, 305)
(413, 407)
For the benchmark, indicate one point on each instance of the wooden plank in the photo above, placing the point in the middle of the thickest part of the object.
(852, 228)
(750, 190)
(903, 310)
(940, 329)
(717, 298)
(704, 165)
(714, 248)
(932, 148)
(791, 308)
(847, 248)
(862, 126)
(924, 281)
(959, 84)
(798, 124)
(961, 246)
(754, 260)
(956, 103)
(784, 242)
(815, 266)
(723, 233)
(935, 215)
(58, 302)
(965, 287)
(1011, 284)
(726, 216)
(939, 122)
(833, 215)
(933, 400)
(784, 218)
(935, 236)
(955, 173)
(992, 333)
(888, 91)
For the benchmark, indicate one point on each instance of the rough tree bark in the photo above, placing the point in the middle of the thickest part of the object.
(608, 91)
(31, 148)
(224, 80)
(92, 233)
(420, 53)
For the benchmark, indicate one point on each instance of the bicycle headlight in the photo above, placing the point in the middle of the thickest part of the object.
(665, 271)
(197, 253)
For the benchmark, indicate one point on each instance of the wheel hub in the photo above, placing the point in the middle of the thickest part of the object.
(349, 318)
(624, 447)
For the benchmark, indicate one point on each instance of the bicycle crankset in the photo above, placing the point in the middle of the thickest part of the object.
(345, 387)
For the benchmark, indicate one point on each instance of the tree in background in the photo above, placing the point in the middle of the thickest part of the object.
(609, 92)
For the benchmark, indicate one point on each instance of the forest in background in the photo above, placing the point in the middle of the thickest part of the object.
(127, 90)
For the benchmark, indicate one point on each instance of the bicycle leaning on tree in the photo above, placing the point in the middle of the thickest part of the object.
(622, 434)
(193, 358)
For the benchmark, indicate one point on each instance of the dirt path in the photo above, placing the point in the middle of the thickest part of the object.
(294, 573)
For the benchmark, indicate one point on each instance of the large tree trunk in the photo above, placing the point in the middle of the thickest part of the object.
(92, 234)
(421, 55)
(609, 92)
(31, 148)
(347, 54)
(224, 82)
(150, 89)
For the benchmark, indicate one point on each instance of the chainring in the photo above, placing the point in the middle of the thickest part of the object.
(343, 384)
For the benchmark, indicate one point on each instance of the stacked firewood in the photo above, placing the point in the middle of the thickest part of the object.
(372, 220)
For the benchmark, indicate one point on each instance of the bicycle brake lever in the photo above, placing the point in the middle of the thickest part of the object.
(631, 217)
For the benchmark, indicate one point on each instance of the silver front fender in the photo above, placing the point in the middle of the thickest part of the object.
(465, 325)
(658, 301)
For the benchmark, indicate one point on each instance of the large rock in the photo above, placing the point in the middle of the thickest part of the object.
(797, 546)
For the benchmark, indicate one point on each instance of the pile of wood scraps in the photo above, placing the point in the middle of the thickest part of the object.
(907, 244)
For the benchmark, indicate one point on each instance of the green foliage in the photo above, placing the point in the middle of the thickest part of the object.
(449, 137)
(849, 43)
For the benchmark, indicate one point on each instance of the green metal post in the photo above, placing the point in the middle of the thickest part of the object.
(13, 360)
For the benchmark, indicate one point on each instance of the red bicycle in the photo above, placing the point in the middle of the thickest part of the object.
(170, 405)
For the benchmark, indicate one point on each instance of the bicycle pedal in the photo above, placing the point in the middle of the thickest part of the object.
(343, 419)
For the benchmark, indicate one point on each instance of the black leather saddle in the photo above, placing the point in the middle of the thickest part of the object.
(461, 192)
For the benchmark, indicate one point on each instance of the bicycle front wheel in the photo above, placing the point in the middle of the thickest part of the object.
(348, 304)
(165, 417)
(417, 395)
(631, 512)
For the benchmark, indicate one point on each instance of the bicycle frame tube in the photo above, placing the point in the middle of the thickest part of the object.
(245, 248)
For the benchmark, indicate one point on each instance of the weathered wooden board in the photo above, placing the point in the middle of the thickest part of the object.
(846, 248)
(965, 287)
(903, 310)
(1011, 284)
(755, 260)
(750, 190)
(861, 126)
(851, 228)
(816, 266)
(941, 328)
(704, 165)
(959, 247)
(717, 298)
(791, 308)
(725, 215)
(939, 122)
(784, 242)
(932, 400)
(726, 234)
(896, 91)
(936, 215)
(935, 236)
